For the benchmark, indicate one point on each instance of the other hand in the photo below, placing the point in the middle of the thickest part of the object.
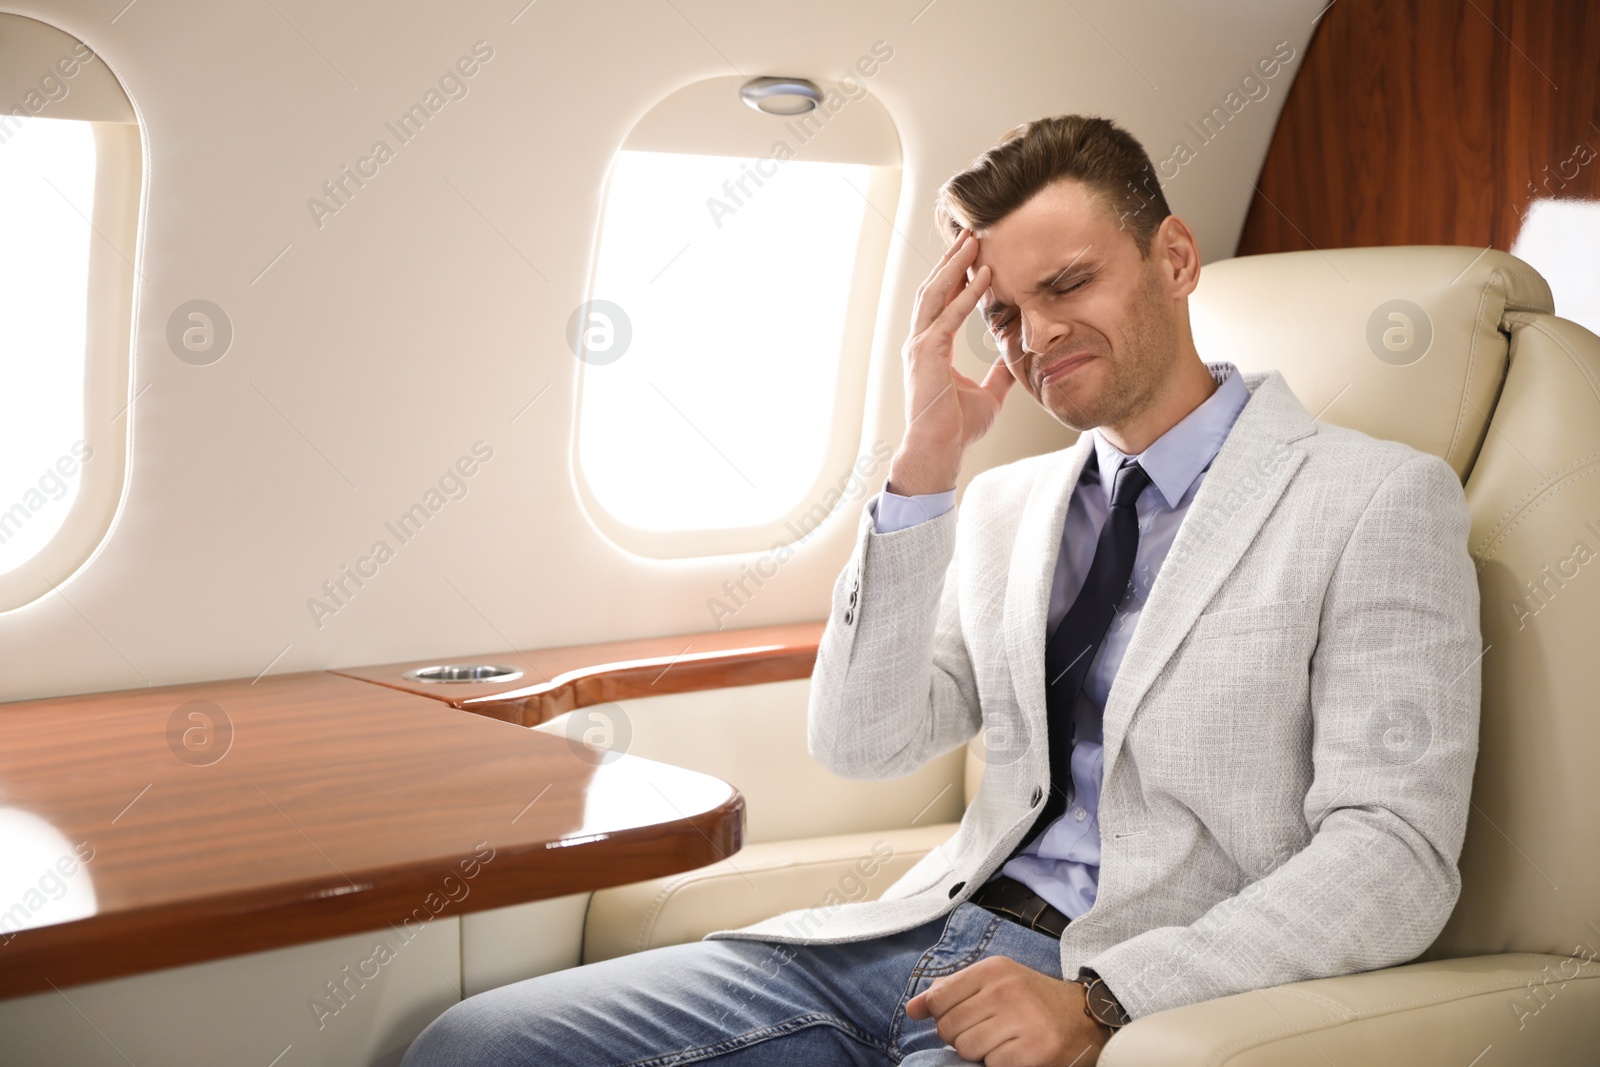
(999, 1013)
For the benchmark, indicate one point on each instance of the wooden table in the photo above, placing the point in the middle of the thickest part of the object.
(557, 680)
(231, 817)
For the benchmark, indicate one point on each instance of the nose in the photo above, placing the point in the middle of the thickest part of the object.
(1039, 333)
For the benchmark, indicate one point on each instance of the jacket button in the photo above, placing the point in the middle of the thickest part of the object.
(1038, 795)
(956, 889)
(849, 616)
(852, 598)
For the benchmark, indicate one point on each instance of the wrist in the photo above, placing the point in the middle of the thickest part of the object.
(919, 473)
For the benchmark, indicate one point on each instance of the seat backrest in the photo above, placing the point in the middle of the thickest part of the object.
(1399, 343)
(1457, 352)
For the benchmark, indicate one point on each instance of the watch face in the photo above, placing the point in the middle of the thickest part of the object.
(1104, 1006)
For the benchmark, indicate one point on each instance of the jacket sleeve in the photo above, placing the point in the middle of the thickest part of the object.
(893, 686)
(1394, 685)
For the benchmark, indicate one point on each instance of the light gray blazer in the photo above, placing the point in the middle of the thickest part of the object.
(1289, 742)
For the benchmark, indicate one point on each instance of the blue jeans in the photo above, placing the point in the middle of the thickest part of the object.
(743, 1003)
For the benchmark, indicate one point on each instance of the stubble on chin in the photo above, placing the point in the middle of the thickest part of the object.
(1075, 412)
(1124, 385)
(1067, 413)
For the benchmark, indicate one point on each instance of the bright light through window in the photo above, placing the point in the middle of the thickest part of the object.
(717, 412)
(47, 170)
(1558, 239)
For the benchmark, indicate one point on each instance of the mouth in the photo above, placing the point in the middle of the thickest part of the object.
(1063, 367)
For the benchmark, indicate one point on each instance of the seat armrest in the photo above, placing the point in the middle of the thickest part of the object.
(1444, 1013)
(758, 882)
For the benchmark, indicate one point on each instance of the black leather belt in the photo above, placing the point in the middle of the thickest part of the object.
(1010, 899)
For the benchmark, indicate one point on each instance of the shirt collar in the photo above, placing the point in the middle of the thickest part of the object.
(1176, 458)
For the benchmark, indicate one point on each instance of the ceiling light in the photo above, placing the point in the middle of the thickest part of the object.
(781, 96)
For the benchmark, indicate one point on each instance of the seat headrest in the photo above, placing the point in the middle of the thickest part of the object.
(1405, 343)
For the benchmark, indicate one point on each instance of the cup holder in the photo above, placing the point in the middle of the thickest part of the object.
(463, 672)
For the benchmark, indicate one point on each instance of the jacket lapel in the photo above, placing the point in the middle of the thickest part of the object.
(1242, 488)
(1033, 567)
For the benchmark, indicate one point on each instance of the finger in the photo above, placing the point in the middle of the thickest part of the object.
(930, 366)
(979, 1043)
(943, 282)
(930, 1003)
(952, 248)
(949, 254)
(996, 1043)
(962, 1017)
(946, 992)
(938, 290)
(961, 304)
(1000, 378)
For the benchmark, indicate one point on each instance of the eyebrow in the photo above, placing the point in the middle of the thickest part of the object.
(990, 309)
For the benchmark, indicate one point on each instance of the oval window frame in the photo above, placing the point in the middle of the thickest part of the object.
(121, 169)
(708, 117)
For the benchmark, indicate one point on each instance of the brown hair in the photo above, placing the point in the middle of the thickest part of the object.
(1095, 151)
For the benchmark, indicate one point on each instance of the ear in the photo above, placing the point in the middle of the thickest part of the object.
(1177, 256)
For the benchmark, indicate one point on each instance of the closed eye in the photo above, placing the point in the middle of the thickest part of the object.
(1000, 327)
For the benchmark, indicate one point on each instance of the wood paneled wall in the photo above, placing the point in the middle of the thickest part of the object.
(1432, 122)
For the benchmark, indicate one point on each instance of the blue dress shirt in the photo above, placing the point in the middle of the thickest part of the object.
(1062, 864)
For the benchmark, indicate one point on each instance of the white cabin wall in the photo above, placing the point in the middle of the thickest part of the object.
(408, 327)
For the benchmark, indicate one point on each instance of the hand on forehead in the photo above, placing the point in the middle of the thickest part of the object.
(1064, 229)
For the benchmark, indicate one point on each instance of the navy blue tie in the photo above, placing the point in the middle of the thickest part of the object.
(1071, 649)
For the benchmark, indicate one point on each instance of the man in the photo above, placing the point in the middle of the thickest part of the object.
(1225, 658)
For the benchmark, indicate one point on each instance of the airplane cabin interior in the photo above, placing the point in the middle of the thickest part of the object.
(445, 460)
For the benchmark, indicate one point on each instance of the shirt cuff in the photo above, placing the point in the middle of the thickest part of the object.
(891, 511)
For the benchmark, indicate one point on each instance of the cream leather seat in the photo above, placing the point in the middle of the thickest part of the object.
(1457, 352)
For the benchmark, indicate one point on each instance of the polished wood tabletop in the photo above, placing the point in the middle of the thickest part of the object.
(156, 827)
(557, 680)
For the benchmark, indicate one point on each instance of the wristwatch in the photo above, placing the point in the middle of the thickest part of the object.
(1100, 1004)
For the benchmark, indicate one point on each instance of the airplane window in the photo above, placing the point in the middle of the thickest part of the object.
(46, 171)
(724, 339)
(1558, 239)
(71, 175)
(736, 319)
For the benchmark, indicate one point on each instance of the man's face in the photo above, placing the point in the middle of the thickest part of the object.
(1084, 322)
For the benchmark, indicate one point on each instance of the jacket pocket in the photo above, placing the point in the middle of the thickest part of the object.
(1252, 618)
